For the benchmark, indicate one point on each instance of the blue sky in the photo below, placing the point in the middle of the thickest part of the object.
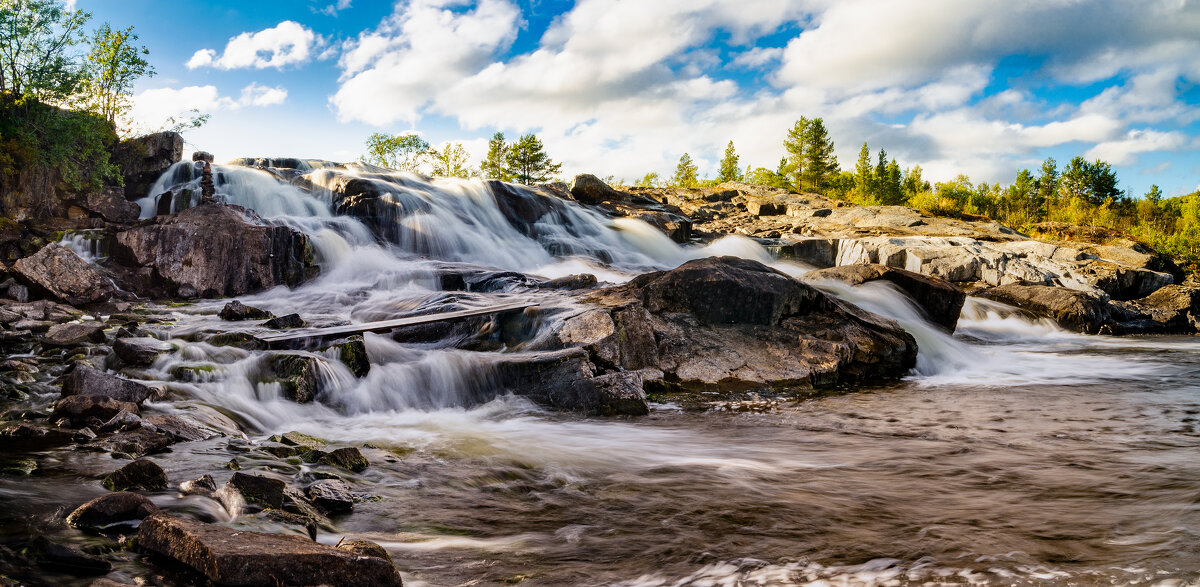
(624, 87)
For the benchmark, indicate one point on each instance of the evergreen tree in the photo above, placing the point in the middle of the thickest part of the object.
(729, 166)
(495, 164)
(893, 190)
(820, 163)
(1047, 182)
(794, 145)
(528, 163)
(913, 182)
(864, 173)
(1155, 195)
(685, 172)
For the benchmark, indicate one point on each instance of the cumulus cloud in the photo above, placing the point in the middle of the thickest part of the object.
(152, 108)
(610, 84)
(287, 43)
(1124, 151)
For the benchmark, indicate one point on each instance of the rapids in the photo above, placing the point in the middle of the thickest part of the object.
(1014, 453)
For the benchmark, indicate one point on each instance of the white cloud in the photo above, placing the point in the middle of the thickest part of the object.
(288, 43)
(1124, 151)
(613, 89)
(152, 108)
(333, 9)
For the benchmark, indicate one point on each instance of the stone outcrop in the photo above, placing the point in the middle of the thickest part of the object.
(726, 324)
(1174, 309)
(941, 300)
(211, 251)
(60, 273)
(1074, 310)
(111, 205)
(227, 556)
(142, 159)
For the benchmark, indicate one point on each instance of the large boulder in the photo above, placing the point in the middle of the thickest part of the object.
(143, 159)
(59, 272)
(110, 204)
(729, 324)
(941, 300)
(227, 556)
(214, 250)
(589, 189)
(1074, 310)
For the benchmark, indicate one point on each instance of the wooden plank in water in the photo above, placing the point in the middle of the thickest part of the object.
(384, 325)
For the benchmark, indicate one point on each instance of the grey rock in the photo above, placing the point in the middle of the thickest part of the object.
(85, 380)
(73, 335)
(331, 495)
(113, 509)
(142, 474)
(59, 272)
(140, 351)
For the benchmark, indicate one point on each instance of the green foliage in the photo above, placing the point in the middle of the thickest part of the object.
(406, 152)
(75, 143)
(526, 161)
(451, 161)
(729, 170)
(113, 65)
(650, 180)
(685, 173)
(495, 165)
(810, 164)
(37, 42)
(764, 176)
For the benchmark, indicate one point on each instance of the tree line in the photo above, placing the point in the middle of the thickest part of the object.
(1081, 193)
(523, 161)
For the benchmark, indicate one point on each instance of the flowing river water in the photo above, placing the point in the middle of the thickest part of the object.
(1015, 453)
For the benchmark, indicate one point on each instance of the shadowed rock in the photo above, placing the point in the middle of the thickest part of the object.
(1074, 310)
(141, 474)
(107, 512)
(140, 351)
(236, 310)
(85, 380)
(942, 301)
(213, 250)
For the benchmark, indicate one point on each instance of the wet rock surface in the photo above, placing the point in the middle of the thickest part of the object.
(210, 251)
(142, 474)
(231, 557)
(114, 511)
(942, 301)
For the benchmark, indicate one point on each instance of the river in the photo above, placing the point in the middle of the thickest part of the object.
(1015, 453)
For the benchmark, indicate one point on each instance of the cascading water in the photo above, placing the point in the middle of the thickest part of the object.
(1014, 453)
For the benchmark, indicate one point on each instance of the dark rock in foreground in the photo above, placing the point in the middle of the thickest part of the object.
(213, 250)
(729, 324)
(62, 558)
(85, 380)
(237, 557)
(111, 511)
(941, 300)
(140, 474)
(59, 272)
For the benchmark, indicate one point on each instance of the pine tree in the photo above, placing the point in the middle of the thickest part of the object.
(864, 173)
(792, 166)
(527, 161)
(1047, 183)
(685, 172)
(892, 185)
(495, 164)
(820, 163)
(729, 166)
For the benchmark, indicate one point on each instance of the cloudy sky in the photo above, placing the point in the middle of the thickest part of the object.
(624, 87)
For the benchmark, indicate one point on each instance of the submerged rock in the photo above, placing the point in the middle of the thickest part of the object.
(289, 321)
(114, 511)
(236, 310)
(62, 558)
(297, 375)
(140, 351)
(236, 557)
(141, 474)
(941, 300)
(352, 352)
(59, 272)
(213, 250)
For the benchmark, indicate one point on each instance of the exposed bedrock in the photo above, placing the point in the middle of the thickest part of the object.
(213, 250)
(941, 300)
(727, 324)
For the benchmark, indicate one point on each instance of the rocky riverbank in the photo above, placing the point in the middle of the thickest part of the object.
(106, 355)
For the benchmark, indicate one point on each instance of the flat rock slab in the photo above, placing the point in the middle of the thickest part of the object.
(72, 335)
(233, 557)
